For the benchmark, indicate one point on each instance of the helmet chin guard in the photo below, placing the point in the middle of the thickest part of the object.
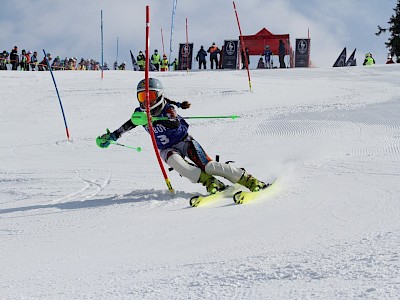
(156, 96)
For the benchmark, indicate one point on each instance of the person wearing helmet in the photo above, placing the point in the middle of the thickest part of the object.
(369, 60)
(267, 56)
(175, 143)
(164, 63)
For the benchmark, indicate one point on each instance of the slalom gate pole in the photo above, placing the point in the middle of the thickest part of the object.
(138, 149)
(187, 48)
(150, 126)
(162, 41)
(242, 45)
(102, 48)
(58, 95)
(174, 4)
(117, 51)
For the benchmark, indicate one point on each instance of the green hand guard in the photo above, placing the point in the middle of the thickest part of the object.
(103, 141)
(139, 118)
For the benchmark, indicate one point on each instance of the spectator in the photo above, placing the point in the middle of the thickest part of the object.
(25, 60)
(174, 64)
(82, 65)
(282, 53)
(261, 64)
(34, 61)
(156, 60)
(214, 51)
(122, 66)
(389, 59)
(56, 65)
(201, 58)
(267, 56)
(43, 64)
(164, 63)
(105, 66)
(369, 60)
(141, 60)
(244, 58)
(3, 60)
(14, 58)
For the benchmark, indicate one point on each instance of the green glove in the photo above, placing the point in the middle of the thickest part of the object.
(104, 140)
(139, 118)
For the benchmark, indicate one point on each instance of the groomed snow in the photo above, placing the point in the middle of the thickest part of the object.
(80, 222)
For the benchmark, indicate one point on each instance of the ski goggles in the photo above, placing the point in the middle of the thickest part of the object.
(153, 95)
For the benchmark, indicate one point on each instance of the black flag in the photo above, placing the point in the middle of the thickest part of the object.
(352, 60)
(134, 63)
(341, 61)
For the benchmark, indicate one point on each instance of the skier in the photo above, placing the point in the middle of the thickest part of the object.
(175, 143)
(267, 56)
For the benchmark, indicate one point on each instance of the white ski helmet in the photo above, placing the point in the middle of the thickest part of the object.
(156, 95)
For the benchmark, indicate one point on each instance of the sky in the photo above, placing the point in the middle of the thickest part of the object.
(72, 28)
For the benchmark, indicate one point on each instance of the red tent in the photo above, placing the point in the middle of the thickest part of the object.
(257, 42)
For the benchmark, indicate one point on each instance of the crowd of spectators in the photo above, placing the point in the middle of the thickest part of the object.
(28, 61)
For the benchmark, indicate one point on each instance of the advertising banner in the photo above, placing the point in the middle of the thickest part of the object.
(185, 56)
(302, 53)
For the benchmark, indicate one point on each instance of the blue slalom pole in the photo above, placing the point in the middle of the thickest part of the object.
(58, 95)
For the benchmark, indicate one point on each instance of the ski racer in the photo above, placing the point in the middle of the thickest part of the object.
(175, 143)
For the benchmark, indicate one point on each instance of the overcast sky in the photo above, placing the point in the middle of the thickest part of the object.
(72, 28)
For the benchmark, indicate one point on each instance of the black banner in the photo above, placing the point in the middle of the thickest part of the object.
(341, 60)
(302, 59)
(352, 61)
(230, 54)
(185, 56)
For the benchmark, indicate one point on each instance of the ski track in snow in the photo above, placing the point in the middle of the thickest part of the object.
(78, 222)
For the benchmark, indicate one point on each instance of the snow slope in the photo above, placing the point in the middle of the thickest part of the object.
(80, 222)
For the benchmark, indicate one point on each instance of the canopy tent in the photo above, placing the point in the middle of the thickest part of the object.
(257, 42)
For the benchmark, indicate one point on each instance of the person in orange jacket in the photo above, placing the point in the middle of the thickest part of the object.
(214, 51)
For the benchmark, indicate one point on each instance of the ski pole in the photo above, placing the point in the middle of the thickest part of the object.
(140, 118)
(138, 149)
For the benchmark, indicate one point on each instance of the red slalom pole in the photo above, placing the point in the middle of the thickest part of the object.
(146, 77)
(242, 45)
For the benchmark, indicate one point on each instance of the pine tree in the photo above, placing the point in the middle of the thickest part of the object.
(393, 44)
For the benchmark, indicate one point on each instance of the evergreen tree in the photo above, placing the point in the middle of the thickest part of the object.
(393, 44)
